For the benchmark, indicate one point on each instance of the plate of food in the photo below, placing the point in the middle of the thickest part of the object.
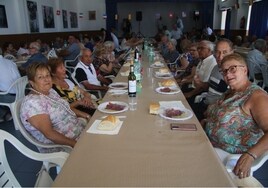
(118, 85)
(157, 64)
(163, 75)
(168, 83)
(173, 113)
(113, 107)
(167, 90)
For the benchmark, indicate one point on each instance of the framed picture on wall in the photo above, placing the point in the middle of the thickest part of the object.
(3, 17)
(92, 15)
(48, 17)
(33, 18)
(73, 20)
(64, 19)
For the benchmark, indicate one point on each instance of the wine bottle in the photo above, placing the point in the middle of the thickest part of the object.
(132, 82)
(136, 55)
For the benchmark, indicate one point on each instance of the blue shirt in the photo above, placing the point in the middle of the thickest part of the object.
(39, 57)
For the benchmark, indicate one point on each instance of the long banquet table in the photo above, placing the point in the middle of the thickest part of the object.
(145, 152)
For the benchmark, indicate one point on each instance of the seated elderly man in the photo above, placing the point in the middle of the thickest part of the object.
(216, 85)
(8, 74)
(203, 71)
(36, 56)
(255, 58)
(72, 51)
(86, 74)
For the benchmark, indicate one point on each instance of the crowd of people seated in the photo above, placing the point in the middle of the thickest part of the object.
(212, 77)
(216, 83)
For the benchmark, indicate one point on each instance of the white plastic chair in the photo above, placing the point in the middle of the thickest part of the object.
(19, 85)
(8, 179)
(251, 68)
(52, 54)
(28, 136)
(229, 160)
(98, 92)
(67, 63)
(264, 70)
(10, 57)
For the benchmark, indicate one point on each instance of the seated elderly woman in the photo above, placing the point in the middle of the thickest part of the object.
(110, 54)
(172, 53)
(187, 76)
(238, 123)
(45, 115)
(78, 98)
(102, 65)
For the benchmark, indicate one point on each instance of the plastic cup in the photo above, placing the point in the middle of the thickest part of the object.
(132, 102)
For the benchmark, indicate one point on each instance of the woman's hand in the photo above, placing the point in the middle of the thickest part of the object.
(243, 165)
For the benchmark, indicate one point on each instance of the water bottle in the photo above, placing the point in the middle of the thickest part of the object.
(137, 69)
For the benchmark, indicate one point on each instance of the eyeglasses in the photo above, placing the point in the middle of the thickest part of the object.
(232, 69)
(202, 48)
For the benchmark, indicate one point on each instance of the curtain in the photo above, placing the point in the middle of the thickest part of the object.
(259, 19)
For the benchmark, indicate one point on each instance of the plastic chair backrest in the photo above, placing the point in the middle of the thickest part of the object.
(7, 178)
(10, 57)
(51, 53)
(28, 136)
(264, 70)
(19, 85)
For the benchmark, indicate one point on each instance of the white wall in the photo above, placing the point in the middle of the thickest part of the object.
(18, 20)
(84, 6)
(236, 14)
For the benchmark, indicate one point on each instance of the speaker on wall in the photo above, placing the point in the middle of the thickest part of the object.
(138, 16)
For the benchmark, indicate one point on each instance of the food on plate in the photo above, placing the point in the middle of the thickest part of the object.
(154, 108)
(173, 113)
(168, 83)
(118, 86)
(165, 89)
(163, 70)
(109, 123)
(114, 106)
(158, 63)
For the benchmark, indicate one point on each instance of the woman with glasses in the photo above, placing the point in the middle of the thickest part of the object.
(238, 123)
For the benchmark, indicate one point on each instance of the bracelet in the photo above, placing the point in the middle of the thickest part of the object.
(252, 155)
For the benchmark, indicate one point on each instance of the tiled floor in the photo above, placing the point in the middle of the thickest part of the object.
(26, 169)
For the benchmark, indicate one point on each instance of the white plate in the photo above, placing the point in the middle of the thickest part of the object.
(102, 107)
(186, 115)
(157, 65)
(174, 90)
(163, 75)
(119, 85)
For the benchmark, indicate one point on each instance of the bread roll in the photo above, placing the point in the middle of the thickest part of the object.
(157, 63)
(154, 107)
(109, 123)
(168, 83)
(163, 70)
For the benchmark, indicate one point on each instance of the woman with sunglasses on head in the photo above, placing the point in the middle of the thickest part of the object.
(238, 123)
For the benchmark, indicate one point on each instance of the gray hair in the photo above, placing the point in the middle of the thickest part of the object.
(260, 44)
(173, 42)
(209, 44)
(35, 45)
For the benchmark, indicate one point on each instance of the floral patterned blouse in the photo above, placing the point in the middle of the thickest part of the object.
(229, 127)
(62, 117)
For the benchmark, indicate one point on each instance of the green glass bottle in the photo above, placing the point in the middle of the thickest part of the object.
(132, 82)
